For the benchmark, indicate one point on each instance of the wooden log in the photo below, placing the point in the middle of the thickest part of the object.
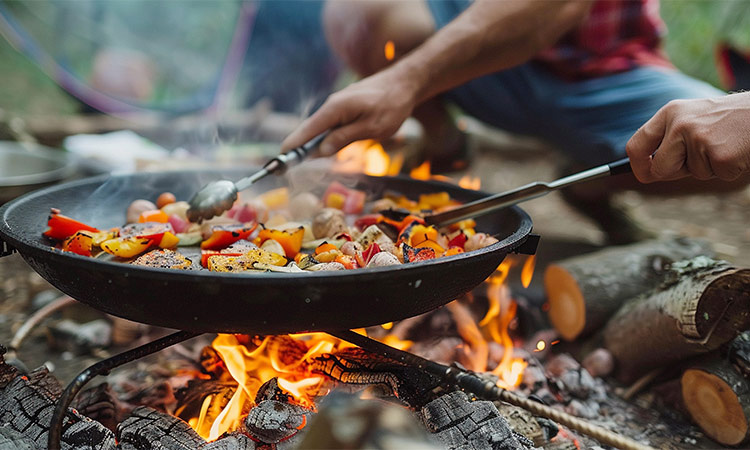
(458, 422)
(148, 428)
(702, 305)
(717, 396)
(584, 291)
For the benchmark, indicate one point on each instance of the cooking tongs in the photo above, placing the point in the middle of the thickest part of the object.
(219, 196)
(523, 193)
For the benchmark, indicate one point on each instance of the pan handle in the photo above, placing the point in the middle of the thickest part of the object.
(5, 248)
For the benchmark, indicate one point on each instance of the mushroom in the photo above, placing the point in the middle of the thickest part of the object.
(350, 248)
(383, 259)
(327, 266)
(329, 222)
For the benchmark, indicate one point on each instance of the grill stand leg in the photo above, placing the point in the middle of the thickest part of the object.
(489, 391)
(102, 368)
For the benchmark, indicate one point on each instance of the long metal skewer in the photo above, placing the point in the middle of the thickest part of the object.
(490, 391)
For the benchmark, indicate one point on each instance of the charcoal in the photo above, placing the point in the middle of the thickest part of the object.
(461, 424)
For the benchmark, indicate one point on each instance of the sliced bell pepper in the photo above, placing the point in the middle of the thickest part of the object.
(453, 251)
(418, 233)
(431, 244)
(434, 200)
(61, 227)
(368, 219)
(127, 247)
(224, 235)
(324, 247)
(458, 241)
(348, 261)
(364, 257)
(153, 215)
(168, 240)
(412, 254)
(464, 225)
(80, 243)
(291, 241)
(338, 196)
(275, 198)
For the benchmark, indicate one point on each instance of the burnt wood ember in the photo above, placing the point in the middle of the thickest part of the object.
(459, 423)
(147, 428)
(360, 368)
(702, 304)
(101, 404)
(26, 406)
(276, 416)
(585, 291)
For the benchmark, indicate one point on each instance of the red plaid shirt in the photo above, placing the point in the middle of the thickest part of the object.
(618, 35)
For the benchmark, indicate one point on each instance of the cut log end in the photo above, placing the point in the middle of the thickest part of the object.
(567, 311)
(714, 406)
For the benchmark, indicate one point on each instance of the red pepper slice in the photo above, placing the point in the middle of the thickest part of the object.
(368, 219)
(225, 235)
(61, 227)
(364, 257)
(458, 241)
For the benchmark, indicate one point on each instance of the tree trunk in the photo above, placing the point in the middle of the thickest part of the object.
(717, 397)
(587, 290)
(703, 304)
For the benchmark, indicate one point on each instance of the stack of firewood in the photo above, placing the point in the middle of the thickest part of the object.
(662, 308)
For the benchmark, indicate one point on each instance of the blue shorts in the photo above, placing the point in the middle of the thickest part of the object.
(590, 120)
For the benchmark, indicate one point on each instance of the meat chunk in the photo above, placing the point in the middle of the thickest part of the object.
(163, 258)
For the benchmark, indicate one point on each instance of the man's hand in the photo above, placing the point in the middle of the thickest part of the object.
(372, 108)
(705, 138)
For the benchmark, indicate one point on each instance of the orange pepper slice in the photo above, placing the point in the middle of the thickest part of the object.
(290, 241)
(153, 215)
(324, 247)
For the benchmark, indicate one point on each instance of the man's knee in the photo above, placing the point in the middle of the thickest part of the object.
(358, 30)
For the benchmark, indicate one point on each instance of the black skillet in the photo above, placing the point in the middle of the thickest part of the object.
(262, 303)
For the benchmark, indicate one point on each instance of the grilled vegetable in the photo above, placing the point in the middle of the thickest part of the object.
(221, 263)
(290, 241)
(61, 227)
(80, 243)
(164, 259)
(224, 235)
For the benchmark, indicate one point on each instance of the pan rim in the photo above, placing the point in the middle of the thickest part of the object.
(507, 244)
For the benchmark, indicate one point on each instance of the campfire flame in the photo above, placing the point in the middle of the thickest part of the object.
(284, 357)
(251, 364)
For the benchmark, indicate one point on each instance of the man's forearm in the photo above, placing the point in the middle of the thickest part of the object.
(491, 35)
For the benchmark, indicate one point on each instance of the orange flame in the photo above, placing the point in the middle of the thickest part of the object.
(509, 369)
(422, 172)
(469, 182)
(528, 270)
(368, 156)
(390, 50)
(284, 357)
